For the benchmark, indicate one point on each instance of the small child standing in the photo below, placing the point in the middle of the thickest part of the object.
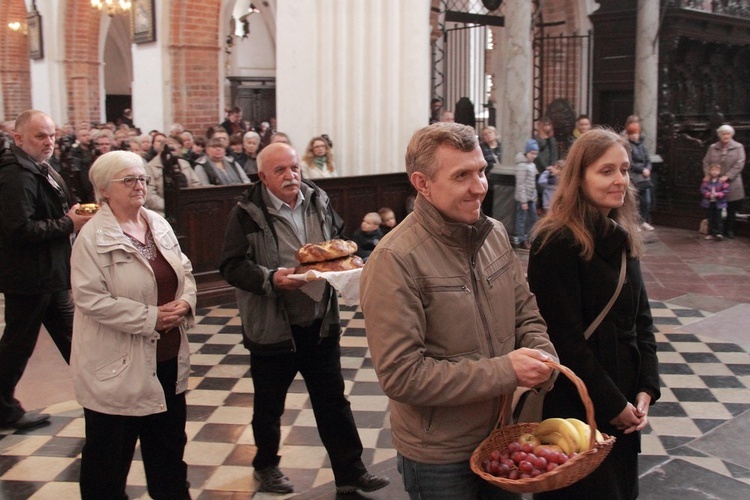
(368, 235)
(715, 194)
(548, 182)
(526, 194)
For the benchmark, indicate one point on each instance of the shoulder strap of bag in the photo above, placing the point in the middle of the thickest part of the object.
(593, 326)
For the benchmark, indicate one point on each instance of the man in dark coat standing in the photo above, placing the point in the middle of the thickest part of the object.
(36, 225)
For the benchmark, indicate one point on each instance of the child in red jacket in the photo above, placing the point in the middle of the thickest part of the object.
(715, 194)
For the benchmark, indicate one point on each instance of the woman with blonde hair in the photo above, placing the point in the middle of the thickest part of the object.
(317, 161)
(577, 252)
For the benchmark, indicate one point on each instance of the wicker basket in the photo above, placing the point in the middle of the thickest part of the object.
(575, 469)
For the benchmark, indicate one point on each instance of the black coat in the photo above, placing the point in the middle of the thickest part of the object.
(34, 230)
(616, 362)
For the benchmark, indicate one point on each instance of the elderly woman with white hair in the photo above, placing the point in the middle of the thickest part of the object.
(730, 154)
(135, 296)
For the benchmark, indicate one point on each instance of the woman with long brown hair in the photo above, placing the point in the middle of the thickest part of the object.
(577, 251)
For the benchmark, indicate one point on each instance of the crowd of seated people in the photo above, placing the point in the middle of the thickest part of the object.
(225, 153)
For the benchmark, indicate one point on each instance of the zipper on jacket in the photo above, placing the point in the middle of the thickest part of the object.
(488, 335)
(491, 278)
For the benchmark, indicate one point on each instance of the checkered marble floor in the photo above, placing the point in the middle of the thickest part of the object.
(705, 383)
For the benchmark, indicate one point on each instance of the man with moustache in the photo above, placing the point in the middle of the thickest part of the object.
(285, 329)
(37, 219)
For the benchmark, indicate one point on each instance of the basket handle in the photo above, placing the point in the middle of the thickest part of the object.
(582, 392)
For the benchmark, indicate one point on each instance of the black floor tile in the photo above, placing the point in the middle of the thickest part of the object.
(700, 357)
(721, 381)
(61, 447)
(682, 337)
(217, 384)
(666, 409)
(688, 394)
(19, 490)
(724, 347)
(675, 369)
(220, 433)
(707, 424)
(71, 473)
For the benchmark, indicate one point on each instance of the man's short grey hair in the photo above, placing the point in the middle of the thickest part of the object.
(422, 149)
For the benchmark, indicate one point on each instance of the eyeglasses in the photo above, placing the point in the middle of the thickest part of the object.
(130, 180)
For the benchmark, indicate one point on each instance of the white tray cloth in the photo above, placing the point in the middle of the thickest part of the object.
(345, 282)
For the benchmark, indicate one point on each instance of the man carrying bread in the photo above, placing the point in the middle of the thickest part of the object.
(450, 321)
(286, 330)
(37, 219)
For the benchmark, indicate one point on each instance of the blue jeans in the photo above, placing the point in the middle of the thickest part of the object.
(525, 220)
(449, 482)
(644, 205)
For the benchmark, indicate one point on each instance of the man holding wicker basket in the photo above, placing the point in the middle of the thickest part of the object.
(451, 323)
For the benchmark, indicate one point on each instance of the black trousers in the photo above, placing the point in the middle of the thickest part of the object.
(24, 316)
(110, 444)
(732, 208)
(319, 362)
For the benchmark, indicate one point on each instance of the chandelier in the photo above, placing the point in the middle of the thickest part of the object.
(112, 7)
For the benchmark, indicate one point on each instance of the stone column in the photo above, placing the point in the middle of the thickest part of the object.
(518, 85)
(514, 69)
(647, 69)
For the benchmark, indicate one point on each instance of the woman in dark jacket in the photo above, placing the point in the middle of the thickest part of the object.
(573, 270)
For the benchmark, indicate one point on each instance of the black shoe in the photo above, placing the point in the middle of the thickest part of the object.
(272, 480)
(366, 482)
(27, 421)
(729, 234)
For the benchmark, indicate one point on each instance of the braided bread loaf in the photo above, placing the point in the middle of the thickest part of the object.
(327, 250)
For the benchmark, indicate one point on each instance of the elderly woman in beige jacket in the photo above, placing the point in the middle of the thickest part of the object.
(730, 154)
(135, 296)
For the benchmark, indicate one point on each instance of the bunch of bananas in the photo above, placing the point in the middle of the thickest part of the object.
(570, 434)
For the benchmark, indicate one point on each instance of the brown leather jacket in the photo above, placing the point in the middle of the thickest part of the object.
(444, 303)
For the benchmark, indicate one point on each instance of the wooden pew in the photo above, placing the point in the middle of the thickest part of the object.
(199, 215)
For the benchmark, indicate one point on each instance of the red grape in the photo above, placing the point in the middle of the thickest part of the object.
(525, 466)
(540, 463)
(514, 446)
(514, 474)
(518, 456)
(551, 466)
(495, 455)
(527, 447)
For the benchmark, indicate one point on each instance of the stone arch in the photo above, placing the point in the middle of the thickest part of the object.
(15, 71)
(194, 52)
(82, 61)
